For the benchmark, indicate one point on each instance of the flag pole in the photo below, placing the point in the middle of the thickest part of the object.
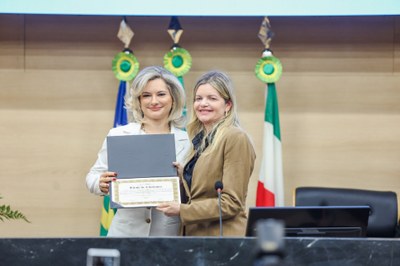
(269, 69)
(125, 67)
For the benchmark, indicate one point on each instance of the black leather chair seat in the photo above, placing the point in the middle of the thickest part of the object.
(383, 217)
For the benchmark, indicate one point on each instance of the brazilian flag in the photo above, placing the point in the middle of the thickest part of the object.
(120, 119)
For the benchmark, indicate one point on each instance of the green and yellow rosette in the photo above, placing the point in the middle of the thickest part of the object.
(178, 61)
(268, 69)
(125, 66)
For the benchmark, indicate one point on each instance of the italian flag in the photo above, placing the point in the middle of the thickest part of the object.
(270, 183)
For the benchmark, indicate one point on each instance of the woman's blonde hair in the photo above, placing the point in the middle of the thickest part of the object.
(132, 101)
(223, 85)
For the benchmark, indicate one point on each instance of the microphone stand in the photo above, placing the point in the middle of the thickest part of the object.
(218, 187)
(220, 212)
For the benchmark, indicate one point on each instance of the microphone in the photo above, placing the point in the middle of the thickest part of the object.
(218, 187)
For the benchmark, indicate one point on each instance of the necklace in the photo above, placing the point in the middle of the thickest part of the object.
(142, 127)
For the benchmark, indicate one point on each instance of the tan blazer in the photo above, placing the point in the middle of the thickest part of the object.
(232, 162)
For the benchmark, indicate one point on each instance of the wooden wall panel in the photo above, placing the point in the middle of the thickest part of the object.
(55, 90)
(338, 101)
(342, 150)
(396, 45)
(334, 93)
(70, 43)
(45, 156)
(12, 42)
(332, 44)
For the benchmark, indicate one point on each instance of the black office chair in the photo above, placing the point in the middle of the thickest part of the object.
(383, 218)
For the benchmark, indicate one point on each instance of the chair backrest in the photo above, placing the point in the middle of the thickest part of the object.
(383, 217)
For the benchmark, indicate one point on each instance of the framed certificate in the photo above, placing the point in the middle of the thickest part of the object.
(146, 175)
(145, 192)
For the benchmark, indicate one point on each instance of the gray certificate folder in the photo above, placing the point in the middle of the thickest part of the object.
(141, 156)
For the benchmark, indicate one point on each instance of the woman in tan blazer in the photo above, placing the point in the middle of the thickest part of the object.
(222, 151)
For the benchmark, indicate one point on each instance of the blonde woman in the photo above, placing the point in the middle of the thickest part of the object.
(156, 102)
(222, 151)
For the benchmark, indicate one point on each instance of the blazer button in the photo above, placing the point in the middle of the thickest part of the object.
(148, 220)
